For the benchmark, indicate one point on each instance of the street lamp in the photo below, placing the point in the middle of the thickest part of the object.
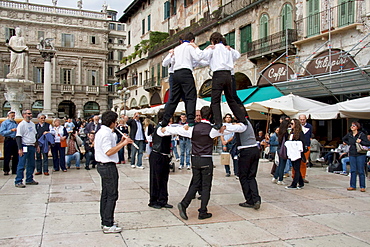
(124, 95)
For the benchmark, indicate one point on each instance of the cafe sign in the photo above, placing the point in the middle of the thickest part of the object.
(206, 89)
(323, 63)
(277, 72)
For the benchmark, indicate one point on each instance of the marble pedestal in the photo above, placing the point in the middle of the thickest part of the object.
(15, 93)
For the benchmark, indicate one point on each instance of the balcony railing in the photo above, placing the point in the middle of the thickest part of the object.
(152, 84)
(38, 87)
(67, 89)
(52, 9)
(276, 42)
(92, 90)
(332, 18)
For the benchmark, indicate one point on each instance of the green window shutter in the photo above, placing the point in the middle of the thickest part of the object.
(142, 26)
(345, 12)
(61, 76)
(174, 10)
(287, 17)
(73, 77)
(205, 45)
(166, 10)
(72, 41)
(7, 33)
(264, 27)
(246, 39)
(313, 17)
(149, 23)
(63, 40)
(35, 75)
(230, 39)
(89, 77)
(158, 73)
(97, 78)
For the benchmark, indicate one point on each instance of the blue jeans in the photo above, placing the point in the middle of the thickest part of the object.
(42, 163)
(344, 163)
(26, 161)
(287, 166)
(279, 173)
(174, 149)
(70, 157)
(357, 164)
(235, 161)
(185, 146)
(140, 152)
(89, 156)
(121, 155)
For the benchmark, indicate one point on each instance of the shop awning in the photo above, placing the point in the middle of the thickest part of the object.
(263, 93)
(242, 94)
(350, 81)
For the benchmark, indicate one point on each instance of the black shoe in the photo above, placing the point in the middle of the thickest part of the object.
(32, 183)
(227, 174)
(199, 197)
(168, 206)
(257, 205)
(182, 211)
(204, 216)
(93, 166)
(87, 168)
(246, 205)
(156, 206)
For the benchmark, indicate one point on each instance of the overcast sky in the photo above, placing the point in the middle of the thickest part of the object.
(96, 5)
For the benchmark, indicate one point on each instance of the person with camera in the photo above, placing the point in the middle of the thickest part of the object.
(73, 149)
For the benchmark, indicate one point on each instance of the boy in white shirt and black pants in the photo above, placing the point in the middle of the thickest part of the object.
(106, 154)
(184, 60)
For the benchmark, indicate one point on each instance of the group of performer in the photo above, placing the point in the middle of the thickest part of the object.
(182, 61)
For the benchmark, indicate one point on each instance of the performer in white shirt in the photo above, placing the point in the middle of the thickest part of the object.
(184, 59)
(106, 154)
(221, 61)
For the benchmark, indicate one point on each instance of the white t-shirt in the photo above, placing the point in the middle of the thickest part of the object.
(105, 139)
(27, 130)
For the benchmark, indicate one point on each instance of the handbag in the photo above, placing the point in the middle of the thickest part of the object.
(63, 143)
(360, 149)
(276, 158)
(283, 151)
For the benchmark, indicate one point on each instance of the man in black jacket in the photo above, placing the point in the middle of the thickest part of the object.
(94, 126)
(42, 127)
(137, 135)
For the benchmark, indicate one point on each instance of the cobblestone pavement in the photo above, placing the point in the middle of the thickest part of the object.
(63, 210)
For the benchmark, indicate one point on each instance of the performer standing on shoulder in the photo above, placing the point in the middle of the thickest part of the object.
(185, 58)
(106, 154)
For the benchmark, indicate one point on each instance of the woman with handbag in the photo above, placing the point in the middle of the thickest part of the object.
(295, 151)
(274, 144)
(357, 158)
(282, 136)
(58, 150)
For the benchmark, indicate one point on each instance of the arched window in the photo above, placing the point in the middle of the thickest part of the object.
(264, 26)
(91, 108)
(37, 107)
(7, 107)
(286, 17)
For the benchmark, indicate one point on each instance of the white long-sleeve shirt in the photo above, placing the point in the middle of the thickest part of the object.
(185, 56)
(167, 62)
(221, 58)
(179, 130)
(294, 149)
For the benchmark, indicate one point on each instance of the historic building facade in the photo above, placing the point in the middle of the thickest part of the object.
(89, 47)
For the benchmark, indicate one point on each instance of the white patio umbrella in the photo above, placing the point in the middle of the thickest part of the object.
(356, 108)
(323, 112)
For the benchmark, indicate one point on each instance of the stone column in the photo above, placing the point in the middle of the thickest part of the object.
(47, 55)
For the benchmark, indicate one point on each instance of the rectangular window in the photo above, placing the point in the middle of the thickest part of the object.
(174, 7)
(110, 71)
(67, 40)
(148, 22)
(187, 3)
(111, 55)
(129, 37)
(166, 10)
(119, 27)
(39, 75)
(230, 39)
(120, 55)
(164, 72)
(313, 17)
(246, 39)
(67, 76)
(93, 78)
(140, 79)
(112, 26)
(93, 40)
(142, 26)
(40, 34)
(9, 32)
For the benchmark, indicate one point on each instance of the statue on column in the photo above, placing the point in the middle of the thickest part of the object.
(55, 2)
(79, 4)
(105, 7)
(17, 47)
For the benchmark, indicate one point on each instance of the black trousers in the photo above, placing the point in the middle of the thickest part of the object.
(158, 178)
(129, 151)
(297, 180)
(248, 166)
(10, 150)
(183, 86)
(222, 81)
(109, 194)
(202, 168)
